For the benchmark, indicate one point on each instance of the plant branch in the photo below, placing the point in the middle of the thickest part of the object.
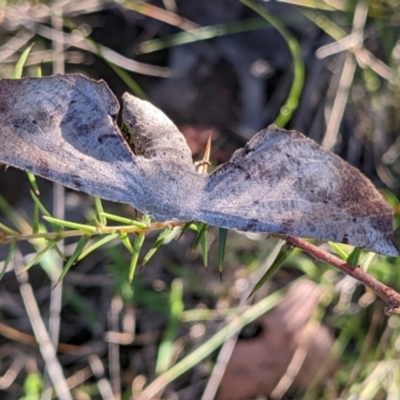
(7, 237)
(386, 293)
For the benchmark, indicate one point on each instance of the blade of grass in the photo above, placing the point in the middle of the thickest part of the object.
(199, 34)
(8, 230)
(8, 259)
(35, 218)
(22, 225)
(176, 305)
(293, 97)
(159, 241)
(204, 249)
(97, 245)
(132, 85)
(78, 250)
(212, 344)
(137, 245)
(44, 211)
(19, 66)
(40, 254)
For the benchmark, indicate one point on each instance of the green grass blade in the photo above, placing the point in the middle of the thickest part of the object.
(8, 230)
(97, 245)
(159, 241)
(284, 253)
(176, 305)
(39, 204)
(14, 216)
(19, 66)
(40, 254)
(293, 97)
(214, 342)
(132, 85)
(10, 253)
(204, 249)
(78, 250)
(35, 218)
(44, 211)
(203, 33)
(137, 245)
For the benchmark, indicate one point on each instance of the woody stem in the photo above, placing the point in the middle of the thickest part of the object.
(386, 293)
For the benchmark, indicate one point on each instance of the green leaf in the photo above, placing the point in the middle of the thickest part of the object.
(222, 235)
(98, 207)
(293, 97)
(78, 250)
(41, 207)
(159, 241)
(137, 245)
(366, 260)
(40, 254)
(38, 72)
(354, 258)
(284, 253)
(125, 221)
(35, 219)
(185, 228)
(13, 246)
(339, 251)
(125, 241)
(97, 245)
(19, 66)
(204, 249)
(32, 181)
(8, 230)
(201, 231)
(72, 225)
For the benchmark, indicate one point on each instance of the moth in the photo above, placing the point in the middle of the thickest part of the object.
(63, 128)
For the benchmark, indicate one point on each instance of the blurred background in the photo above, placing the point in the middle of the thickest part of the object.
(225, 69)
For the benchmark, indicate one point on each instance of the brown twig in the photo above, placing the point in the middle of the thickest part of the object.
(386, 293)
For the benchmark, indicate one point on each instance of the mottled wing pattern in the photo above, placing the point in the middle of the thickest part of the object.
(63, 128)
(284, 183)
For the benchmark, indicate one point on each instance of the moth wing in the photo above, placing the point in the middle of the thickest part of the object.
(284, 183)
(63, 128)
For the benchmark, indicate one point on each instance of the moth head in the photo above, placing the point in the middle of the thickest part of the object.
(146, 123)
